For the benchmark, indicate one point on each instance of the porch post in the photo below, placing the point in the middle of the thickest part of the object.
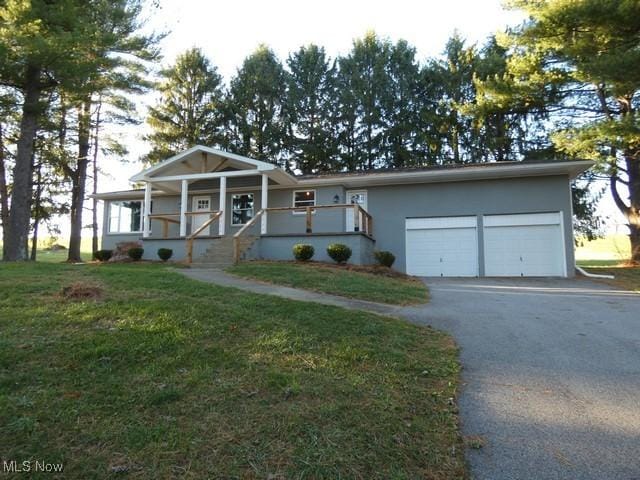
(264, 203)
(223, 206)
(146, 221)
(184, 198)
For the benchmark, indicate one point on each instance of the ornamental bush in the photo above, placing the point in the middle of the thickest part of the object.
(339, 252)
(384, 258)
(303, 252)
(135, 253)
(103, 255)
(165, 254)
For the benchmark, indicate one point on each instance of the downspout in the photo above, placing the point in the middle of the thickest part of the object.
(581, 271)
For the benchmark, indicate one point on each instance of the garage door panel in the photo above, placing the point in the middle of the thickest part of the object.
(441, 251)
(528, 248)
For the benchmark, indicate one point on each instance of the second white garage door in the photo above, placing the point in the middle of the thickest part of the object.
(526, 245)
(442, 247)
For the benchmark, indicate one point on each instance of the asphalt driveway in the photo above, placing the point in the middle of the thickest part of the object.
(551, 375)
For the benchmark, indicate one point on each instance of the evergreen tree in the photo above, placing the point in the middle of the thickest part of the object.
(309, 110)
(402, 105)
(190, 110)
(364, 72)
(580, 60)
(255, 108)
(63, 45)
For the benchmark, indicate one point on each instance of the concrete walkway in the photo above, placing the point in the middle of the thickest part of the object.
(220, 277)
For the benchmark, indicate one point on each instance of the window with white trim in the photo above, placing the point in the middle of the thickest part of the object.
(241, 208)
(125, 216)
(304, 198)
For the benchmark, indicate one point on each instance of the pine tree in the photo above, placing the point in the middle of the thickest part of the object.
(309, 110)
(581, 59)
(255, 108)
(364, 71)
(190, 109)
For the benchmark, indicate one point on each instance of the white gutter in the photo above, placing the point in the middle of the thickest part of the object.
(581, 271)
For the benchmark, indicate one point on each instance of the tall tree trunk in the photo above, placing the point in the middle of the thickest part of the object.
(4, 194)
(36, 212)
(94, 210)
(632, 210)
(79, 179)
(633, 213)
(20, 213)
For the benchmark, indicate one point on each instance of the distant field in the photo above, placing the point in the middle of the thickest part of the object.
(45, 255)
(610, 250)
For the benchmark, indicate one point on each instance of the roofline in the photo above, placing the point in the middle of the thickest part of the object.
(476, 172)
(467, 173)
(259, 164)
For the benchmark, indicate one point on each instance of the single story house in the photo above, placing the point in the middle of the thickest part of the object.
(215, 207)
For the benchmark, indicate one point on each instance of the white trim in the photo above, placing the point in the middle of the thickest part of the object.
(111, 202)
(483, 172)
(433, 223)
(522, 219)
(146, 221)
(264, 203)
(564, 244)
(222, 220)
(184, 198)
(204, 176)
(348, 212)
(194, 203)
(253, 209)
(293, 200)
(201, 148)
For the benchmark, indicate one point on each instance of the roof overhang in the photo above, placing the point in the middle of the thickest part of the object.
(200, 162)
(460, 174)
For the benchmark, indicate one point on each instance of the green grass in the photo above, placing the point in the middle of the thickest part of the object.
(614, 248)
(626, 277)
(397, 290)
(168, 377)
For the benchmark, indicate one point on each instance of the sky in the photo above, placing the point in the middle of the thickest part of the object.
(227, 32)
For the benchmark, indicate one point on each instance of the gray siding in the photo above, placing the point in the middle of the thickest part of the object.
(281, 247)
(390, 206)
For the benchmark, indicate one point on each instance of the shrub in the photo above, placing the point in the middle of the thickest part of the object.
(165, 254)
(384, 258)
(303, 251)
(135, 253)
(103, 255)
(339, 252)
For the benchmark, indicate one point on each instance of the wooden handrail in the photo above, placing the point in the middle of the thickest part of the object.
(191, 237)
(236, 237)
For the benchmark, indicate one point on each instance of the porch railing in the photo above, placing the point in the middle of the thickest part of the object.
(191, 237)
(362, 221)
(168, 218)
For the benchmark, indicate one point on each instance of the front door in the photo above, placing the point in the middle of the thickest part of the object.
(201, 204)
(353, 197)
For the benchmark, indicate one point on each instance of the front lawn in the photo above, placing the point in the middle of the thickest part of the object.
(158, 376)
(337, 280)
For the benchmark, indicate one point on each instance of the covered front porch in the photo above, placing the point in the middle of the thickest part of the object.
(205, 194)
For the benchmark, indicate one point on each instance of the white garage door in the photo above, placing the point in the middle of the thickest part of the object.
(442, 247)
(527, 245)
